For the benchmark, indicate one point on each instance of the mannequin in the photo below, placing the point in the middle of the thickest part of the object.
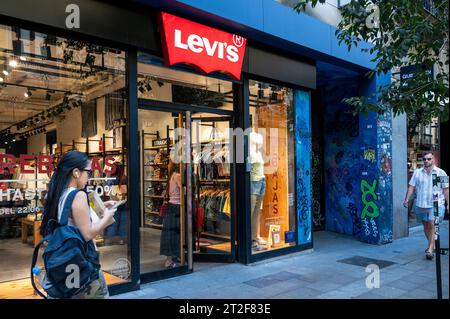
(258, 187)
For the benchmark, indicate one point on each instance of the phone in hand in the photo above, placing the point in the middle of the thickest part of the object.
(118, 203)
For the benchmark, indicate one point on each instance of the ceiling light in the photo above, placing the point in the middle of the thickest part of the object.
(14, 140)
(5, 72)
(13, 63)
(27, 94)
(1, 79)
(22, 58)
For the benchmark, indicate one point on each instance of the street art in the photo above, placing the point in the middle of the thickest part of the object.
(384, 161)
(303, 161)
(318, 216)
(342, 158)
(369, 155)
(357, 167)
(370, 207)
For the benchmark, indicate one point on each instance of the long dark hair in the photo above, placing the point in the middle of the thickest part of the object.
(58, 183)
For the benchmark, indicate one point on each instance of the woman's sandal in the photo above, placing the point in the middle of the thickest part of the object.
(173, 264)
(428, 254)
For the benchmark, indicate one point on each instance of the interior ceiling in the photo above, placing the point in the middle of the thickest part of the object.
(36, 66)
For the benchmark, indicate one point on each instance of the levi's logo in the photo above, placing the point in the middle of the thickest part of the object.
(197, 44)
(206, 48)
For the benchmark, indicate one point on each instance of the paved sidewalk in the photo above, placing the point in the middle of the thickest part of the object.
(316, 274)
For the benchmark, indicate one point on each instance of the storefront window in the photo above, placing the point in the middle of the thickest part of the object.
(157, 82)
(272, 175)
(57, 95)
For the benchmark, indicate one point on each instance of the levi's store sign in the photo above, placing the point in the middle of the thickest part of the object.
(204, 47)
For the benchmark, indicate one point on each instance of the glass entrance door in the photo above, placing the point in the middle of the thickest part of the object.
(165, 225)
(212, 153)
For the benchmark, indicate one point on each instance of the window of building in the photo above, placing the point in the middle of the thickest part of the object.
(57, 95)
(272, 175)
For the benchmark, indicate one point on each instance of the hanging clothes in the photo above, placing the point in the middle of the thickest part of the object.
(114, 109)
(89, 119)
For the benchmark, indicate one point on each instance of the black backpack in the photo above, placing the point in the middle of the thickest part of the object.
(66, 248)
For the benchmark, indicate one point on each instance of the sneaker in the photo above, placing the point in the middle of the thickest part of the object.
(261, 241)
(256, 246)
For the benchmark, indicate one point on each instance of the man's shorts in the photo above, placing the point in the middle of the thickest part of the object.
(427, 214)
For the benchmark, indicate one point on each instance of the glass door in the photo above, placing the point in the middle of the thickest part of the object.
(212, 153)
(165, 186)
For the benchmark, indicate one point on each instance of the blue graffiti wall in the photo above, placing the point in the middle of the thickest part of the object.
(303, 165)
(342, 159)
(357, 156)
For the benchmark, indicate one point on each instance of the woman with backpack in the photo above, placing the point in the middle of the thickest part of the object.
(72, 174)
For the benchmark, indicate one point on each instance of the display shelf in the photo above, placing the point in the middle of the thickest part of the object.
(151, 212)
(156, 148)
(155, 226)
(157, 165)
(147, 164)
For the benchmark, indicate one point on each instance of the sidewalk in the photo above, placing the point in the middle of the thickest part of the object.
(404, 273)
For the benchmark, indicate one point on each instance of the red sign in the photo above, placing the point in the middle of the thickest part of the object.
(204, 47)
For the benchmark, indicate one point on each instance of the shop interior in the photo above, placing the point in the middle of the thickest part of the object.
(57, 95)
(161, 138)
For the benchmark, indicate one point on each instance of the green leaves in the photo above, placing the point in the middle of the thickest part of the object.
(405, 35)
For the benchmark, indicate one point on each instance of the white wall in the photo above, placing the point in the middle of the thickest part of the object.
(69, 129)
(36, 144)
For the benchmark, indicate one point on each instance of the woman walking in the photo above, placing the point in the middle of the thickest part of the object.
(72, 174)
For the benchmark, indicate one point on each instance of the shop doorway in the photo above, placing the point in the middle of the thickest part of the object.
(185, 161)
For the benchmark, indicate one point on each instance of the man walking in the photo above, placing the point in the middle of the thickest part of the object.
(422, 183)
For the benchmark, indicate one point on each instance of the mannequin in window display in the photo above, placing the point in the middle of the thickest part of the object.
(257, 188)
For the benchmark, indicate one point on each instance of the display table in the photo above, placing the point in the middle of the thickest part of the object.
(36, 226)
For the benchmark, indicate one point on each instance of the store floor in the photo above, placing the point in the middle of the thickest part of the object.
(15, 261)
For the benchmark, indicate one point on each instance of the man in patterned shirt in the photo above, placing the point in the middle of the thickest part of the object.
(422, 183)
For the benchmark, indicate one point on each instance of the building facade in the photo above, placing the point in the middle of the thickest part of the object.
(271, 154)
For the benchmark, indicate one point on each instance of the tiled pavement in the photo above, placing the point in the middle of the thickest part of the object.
(319, 273)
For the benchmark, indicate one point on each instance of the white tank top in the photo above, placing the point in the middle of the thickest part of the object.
(62, 201)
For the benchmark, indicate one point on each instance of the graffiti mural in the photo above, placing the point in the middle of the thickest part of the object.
(384, 161)
(303, 163)
(370, 207)
(357, 166)
(318, 215)
(342, 161)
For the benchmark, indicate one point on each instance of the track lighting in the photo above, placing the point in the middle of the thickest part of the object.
(13, 63)
(5, 72)
(27, 94)
(22, 58)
